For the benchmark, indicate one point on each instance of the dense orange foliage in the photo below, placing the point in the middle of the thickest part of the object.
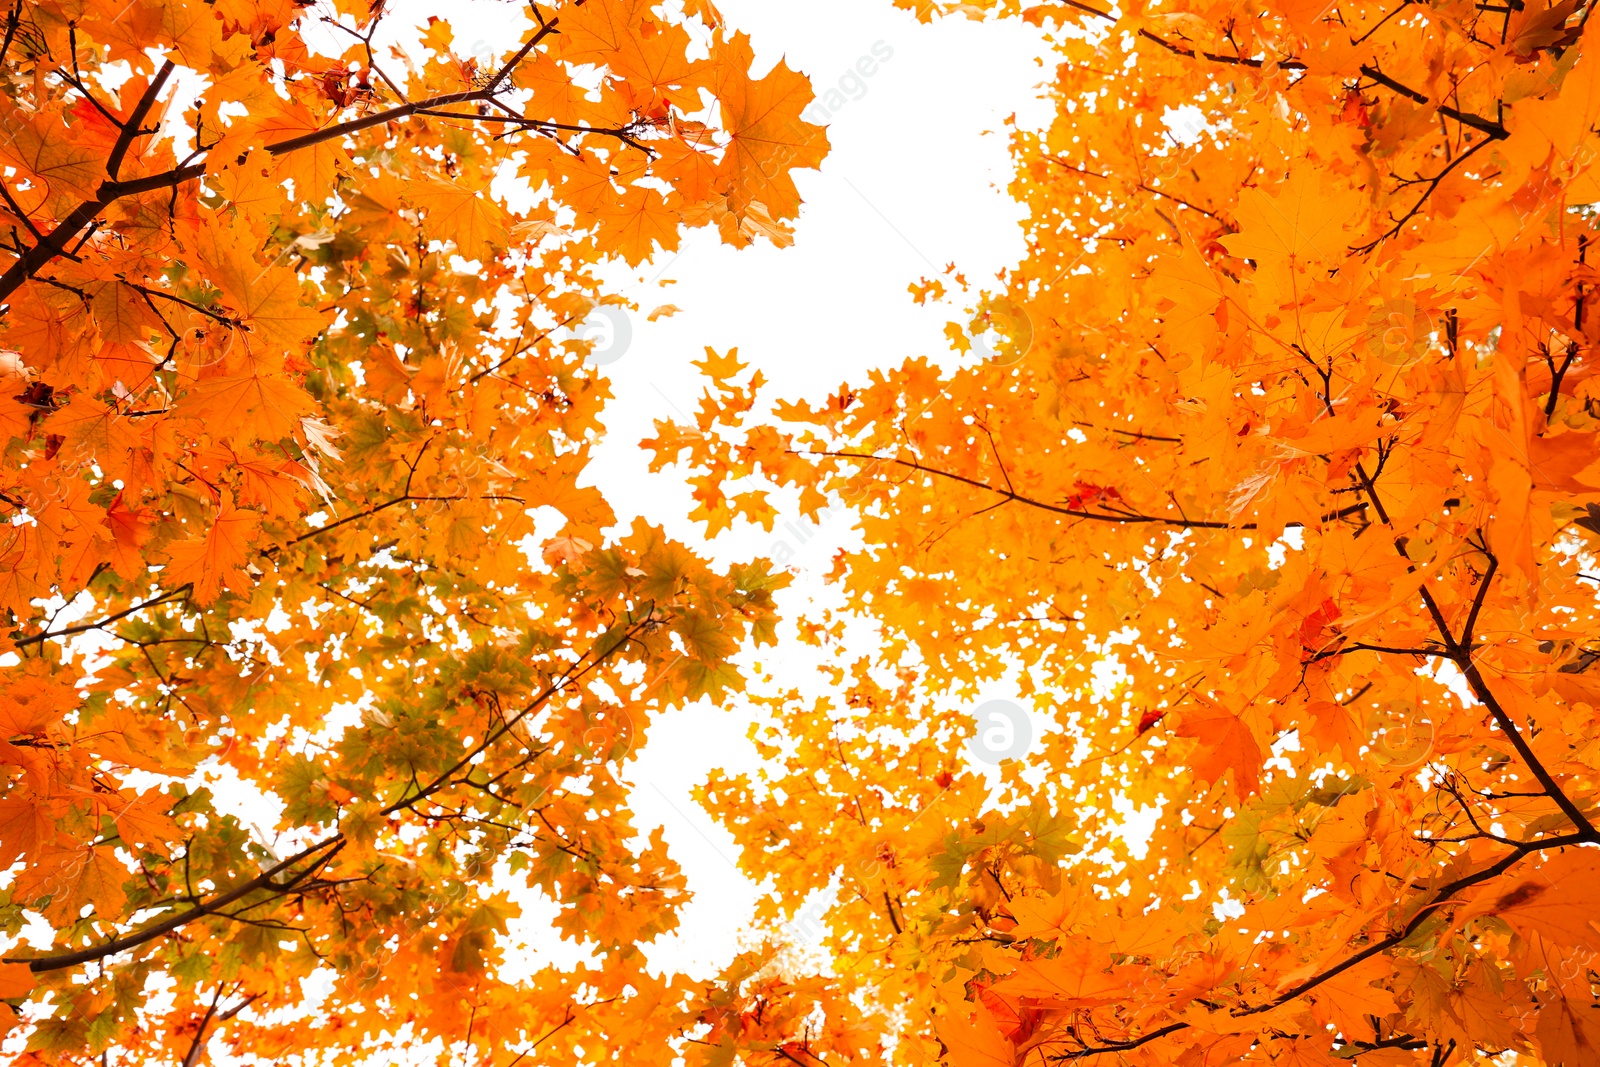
(1276, 498)
(1279, 504)
(284, 393)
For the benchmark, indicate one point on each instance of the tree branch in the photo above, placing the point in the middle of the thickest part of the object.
(1495, 130)
(1439, 898)
(85, 627)
(1432, 184)
(264, 880)
(109, 192)
(197, 1046)
(1129, 518)
(131, 128)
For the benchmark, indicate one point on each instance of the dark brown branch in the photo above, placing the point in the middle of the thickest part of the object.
(197, 1046)
(40, 964)
(109, 192)
(1361, 646)
(1495, 130)
(132, 128)
(16, 209)
(1128, 518)
(1089, 10)
(334, 842)
(1215, 57)
(506, 727)
(1439, 898)
(1465, 641)
(386, 505)
(75, 79)
(149, 293)
(1461, 655)
(1432, 184)
(551, 1033)
(1558, 374)
(1139, 185)
(85, 627)
(13, 20)
(545, 29)
(324, 850)
(1384, 21)
(1480, 688)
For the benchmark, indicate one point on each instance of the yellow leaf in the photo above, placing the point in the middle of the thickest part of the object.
(767, 136)
(454, 211)
(215, 561)
(974, 1041)
(721, 368)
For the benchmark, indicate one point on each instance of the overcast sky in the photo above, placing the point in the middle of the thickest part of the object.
(915, 181)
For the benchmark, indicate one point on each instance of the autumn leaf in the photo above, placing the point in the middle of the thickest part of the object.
(1300, 225)
(1568, 1032)
(265, 296)
(250, 407)
(216, 561)
(26, 829)
(456, 212)
(1082, 978)
(16, 980)
(1226, 744)
(1554, 901)
(767, 136)
(974, 1041)
(721, 368)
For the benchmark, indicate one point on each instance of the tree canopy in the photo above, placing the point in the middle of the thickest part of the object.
(286, 399)
(1271, 488)
(1277, 498)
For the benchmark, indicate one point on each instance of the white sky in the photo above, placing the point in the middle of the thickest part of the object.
(916, 179)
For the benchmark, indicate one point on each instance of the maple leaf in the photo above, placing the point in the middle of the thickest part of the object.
(640, 222)
(1081, 978)
(767, 137)
(16, 980)
(1555, 901)
(1226, 744)
(975, 1040)
(1300, 225)
(43, 147)
(216, 561)
(26, 829)
(721, 368)
(1539, 29)
(1568, 1032)
(456, 212)
(266, 297)
(245, 407)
